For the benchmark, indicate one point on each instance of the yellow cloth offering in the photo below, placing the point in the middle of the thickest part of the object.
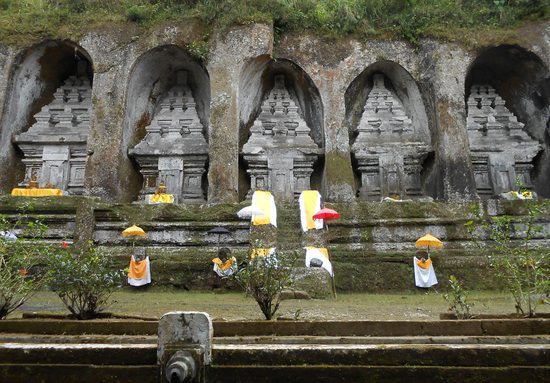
(161, 198)
(264, 201)
(310, 203)
(38, 192)
(261, 252)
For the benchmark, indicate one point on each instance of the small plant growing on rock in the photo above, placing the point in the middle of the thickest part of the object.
(265, 277)
(83, 279)
(521, 266)
(20, 275)
(457, 300)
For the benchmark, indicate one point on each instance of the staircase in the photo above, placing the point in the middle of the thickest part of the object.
(286, 351)
(73, 351)
(289, 230)
(383, 352)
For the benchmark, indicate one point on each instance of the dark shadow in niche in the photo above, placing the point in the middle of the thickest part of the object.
(38, 72)
(405, 88)
(257, 79)
(522, 79)
(153, 74)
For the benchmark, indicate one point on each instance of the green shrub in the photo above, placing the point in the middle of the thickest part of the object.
(523, 268)
(264, 278)
(83, 279)
(458, 300)
(20, 260)
(138, 13)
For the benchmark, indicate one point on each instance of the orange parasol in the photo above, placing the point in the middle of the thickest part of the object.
(428, 241)
(133, 231)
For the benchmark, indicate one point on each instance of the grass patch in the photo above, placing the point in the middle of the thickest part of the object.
(154, 302)
(23, 21)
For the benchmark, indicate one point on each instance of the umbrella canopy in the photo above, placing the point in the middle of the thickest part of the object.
(249, 211)
(429, 241)
(219, 230)
(326, 214)
(133, 231)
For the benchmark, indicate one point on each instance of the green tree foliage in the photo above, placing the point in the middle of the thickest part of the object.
(20, 272)
(523, 268)
(83, 279)
(458, 299)
(263, 278)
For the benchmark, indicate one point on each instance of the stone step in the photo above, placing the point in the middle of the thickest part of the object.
(391, 329)
(377, 374)
(77, 373)
(135, 354)
(363, 340)
(73, 339)
(466, 355)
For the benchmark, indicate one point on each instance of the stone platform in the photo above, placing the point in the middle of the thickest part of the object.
(371, 246)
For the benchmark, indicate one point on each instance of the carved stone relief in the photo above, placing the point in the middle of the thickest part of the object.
(54, 147)
(280, 152)
(500, 148)
(388, 149)
(174, 150)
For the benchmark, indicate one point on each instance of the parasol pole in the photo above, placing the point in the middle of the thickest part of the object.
(333, 284)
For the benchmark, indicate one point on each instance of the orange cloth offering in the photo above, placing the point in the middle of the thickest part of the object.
(38, 192)
(139, 273)
(225, 269)
(424, 264)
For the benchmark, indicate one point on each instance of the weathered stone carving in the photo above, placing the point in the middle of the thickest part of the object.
(174, 149)
(280, 152)
(500, 148)
(388, 149)
(54, 147)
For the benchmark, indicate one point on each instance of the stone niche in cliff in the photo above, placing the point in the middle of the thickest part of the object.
(54, 147)
(388, 149)
(174, 150)
(501, 150)
(280, 153)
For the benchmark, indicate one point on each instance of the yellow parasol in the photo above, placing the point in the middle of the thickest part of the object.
(429, 241)
(133, 231)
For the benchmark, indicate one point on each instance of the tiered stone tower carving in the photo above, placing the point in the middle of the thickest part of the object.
(54, 147)
(388, 149)
(500, 148)
(174, 149)
(280, 152)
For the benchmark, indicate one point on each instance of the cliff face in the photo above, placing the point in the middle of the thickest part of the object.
(330, 81)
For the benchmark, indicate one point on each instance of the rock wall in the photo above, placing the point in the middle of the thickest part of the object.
(329, 80)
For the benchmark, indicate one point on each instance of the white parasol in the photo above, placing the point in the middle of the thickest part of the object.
(249, 211)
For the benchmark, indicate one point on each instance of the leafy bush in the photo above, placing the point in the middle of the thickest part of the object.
(264, 278)
(409, 19)
(83, 279)
(458, 303)
(20, 276)
(137, 14)
(523, 268)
